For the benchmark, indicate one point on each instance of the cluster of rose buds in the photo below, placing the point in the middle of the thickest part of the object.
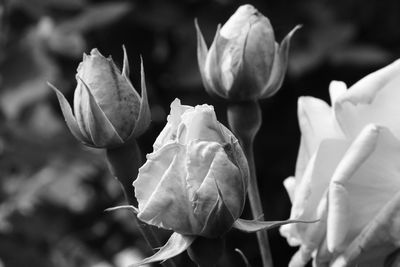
(195, 182)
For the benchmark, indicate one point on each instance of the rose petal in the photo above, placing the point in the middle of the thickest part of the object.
(169, 132)
(336, 89)
(317, 122)
(101, 129)
(289, 184)
(229, 180)
(371, 100)
(316, 179)
(200, 124)
(368, 175)
(161, 191)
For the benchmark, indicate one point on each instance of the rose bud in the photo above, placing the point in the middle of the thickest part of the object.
(177, 188)
(194, 183)
(244, 61)
(108, 111)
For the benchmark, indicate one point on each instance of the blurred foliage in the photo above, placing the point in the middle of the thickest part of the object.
(53, 190)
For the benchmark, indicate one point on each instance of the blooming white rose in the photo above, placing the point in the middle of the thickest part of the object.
(348, 173)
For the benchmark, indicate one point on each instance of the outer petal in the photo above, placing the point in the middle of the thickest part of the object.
(381, 235)
(200, 124)
(316, 180)
(169, 133)
(230, 54)
(228, 177)
(366, 179)
(317, 123)
(101, 130)
(161, 190)
(259, 54)
(336, 90)
(374, 99)
(219, 220)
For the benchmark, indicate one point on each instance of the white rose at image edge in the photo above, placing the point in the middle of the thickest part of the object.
(360, 178)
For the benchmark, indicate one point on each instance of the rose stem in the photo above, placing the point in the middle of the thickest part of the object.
(245, 119)
(124, 163)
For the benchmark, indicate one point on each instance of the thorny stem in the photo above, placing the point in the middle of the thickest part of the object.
(245, 119)
(124, 163)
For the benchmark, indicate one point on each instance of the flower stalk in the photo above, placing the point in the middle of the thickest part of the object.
(124, 163)
(245, 119)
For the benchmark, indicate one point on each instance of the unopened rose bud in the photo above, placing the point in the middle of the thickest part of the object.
(108, 111)
(195, 181)
(244, 61)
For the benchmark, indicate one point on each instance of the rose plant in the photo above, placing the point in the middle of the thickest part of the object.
(194, 183)
(348, 174)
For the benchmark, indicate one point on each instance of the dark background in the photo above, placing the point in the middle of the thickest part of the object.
(53, 190)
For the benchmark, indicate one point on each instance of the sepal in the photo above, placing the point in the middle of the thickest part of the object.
(144, 117)
(175, 245)
(69, 117)
(280, 65)
(251, 226)
(125, 68)
(129, 207)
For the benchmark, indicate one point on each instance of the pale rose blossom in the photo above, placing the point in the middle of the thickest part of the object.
(348, 173)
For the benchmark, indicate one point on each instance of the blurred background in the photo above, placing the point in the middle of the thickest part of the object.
(53, 191)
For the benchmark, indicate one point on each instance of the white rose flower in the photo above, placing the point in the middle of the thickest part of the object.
(348, 174)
